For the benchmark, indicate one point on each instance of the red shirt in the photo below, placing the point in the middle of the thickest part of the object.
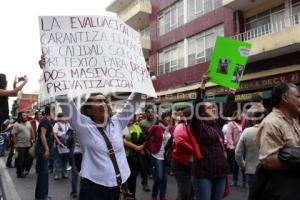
(155, 138)
(185, 145)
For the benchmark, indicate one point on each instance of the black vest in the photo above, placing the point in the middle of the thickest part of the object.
(4, 111)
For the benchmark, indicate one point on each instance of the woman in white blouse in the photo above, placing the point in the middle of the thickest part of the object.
(98, 175)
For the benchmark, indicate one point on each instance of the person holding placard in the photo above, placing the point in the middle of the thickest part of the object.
(209, 173)
(93, 123)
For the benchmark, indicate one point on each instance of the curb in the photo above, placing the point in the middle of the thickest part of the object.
(10, 192)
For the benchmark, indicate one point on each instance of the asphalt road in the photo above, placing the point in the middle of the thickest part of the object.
(60, 189)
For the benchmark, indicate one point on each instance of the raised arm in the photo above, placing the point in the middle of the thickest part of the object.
(129, 109)
(14, 92)
(69, 109)
(195, 122)
(227, 108)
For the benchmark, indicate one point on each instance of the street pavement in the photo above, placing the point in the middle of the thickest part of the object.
(60, 189)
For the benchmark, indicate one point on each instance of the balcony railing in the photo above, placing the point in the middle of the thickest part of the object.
(266, 29)
(126, 10)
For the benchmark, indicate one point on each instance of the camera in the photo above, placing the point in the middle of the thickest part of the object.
(20, 79)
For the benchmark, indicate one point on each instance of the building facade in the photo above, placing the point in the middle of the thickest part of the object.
(183, 32)
(26, 102)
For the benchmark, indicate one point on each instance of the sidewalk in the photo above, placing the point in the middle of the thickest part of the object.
(8, 190)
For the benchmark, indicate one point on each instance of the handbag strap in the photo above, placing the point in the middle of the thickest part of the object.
(112, 156)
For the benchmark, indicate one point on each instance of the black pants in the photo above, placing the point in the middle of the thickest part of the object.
(134, 169)
(42, 180)
(23, 160)
(183, 178)
(137, 163)
(92, 191)
(76, 167)
(143, 165)
(234, 166)
(10, 157)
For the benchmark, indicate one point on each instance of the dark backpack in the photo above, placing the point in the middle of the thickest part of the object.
(69, 139)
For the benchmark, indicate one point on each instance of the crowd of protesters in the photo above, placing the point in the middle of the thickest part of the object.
(201, 146)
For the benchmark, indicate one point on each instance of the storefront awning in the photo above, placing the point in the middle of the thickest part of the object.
(239, 97)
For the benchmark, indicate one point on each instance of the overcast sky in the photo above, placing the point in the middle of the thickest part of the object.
(19, 35)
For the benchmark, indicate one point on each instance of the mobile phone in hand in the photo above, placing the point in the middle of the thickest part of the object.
(20, 79)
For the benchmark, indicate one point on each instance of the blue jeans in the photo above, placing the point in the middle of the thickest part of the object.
(51, 159)
(160, 175)
(2, 149)
(250, 179)
(209, 189)
(60, 163)
(42, 181)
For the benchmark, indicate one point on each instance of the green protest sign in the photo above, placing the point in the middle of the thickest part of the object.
(228, 62)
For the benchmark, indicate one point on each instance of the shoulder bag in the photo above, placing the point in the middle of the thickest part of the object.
(124, 194)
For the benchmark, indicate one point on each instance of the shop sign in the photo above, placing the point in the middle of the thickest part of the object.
(259, 84)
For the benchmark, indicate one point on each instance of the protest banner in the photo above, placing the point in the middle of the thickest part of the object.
(228, 62)
(88, 54)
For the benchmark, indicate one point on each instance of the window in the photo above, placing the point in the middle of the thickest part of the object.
(161, 63)
(200, 50)
(196, 8)
(167, 21)
(171, 18)
(171, 58)
(208, 5)
(200, 46)
(161, 29)
(145, 33)
(296, 12)
(180, 14)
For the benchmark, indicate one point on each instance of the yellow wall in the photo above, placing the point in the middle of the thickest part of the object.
(146, 44)
(265, 5)
(144, 7)
(283, 38)
(225, 2)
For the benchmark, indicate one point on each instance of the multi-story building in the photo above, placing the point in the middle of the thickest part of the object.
(273, 29)
(44, 101)
(183, 33)
(182, 36)
(26, 102)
